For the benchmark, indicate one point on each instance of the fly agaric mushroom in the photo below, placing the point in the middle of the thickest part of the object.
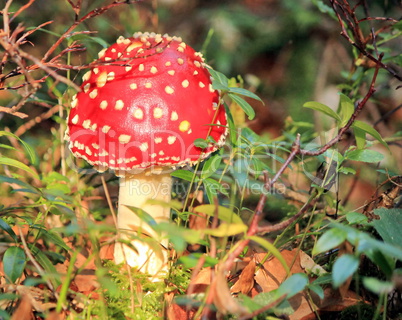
(139, 112)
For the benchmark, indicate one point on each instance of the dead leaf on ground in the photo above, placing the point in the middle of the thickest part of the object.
(246, 279)
(223, 300)
(24, 309)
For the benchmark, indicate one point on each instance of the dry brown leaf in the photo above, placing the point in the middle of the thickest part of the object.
(24, 309)
(246, 279)
(272, 273)
(308, 264)
(223, 299)
(201, 281)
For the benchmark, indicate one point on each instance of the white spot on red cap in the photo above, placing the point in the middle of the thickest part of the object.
(86, 124)
(86, 76)
(93, 94)
(101, 80)
(184, 126)
(180, 61)
(86, 87)
(174, 116)
(158, 140)
(133, 86)
(75, 119)
(201, 84)
(154, 70)
(103, 105)
(169, 90)
(124, 138)
(101, 53)
(141, 67)
(144, 146)
(185, 83)
(138, 114)
(119, 105)
(105, 129)
(148, 85)
(171, 139)
(158, 113)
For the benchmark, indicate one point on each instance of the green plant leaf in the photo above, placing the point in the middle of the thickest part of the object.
(347, 108)
(244, 92)
(318, 290)
(17, 164)
(317, 106)
(364, 155)
(200, 143)
(272, 249)
(370, 130)
(26, 146)
(378, 286)
(226, 230)
(211, 165)
(389, 225)
(344, 267)
(4, 225)
(293, 285)
(329, 240)
(14, 260)
(356, 218)
(360, 136)
(248, 110)
(221, 82)
(224, 214)
(185, 175)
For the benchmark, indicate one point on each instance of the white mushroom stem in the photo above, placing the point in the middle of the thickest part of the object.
(135, 191)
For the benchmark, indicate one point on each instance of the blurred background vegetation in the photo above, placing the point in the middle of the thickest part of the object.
(288, 52)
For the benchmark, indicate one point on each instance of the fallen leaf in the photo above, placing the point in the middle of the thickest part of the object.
(246, 279)
(223, 299)
(24, 309)
(308, 264)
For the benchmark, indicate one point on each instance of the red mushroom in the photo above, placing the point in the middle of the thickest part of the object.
(139, 112)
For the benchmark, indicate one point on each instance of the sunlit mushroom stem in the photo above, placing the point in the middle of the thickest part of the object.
(135, 191)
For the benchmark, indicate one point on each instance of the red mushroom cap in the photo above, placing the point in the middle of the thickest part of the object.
(145, 103)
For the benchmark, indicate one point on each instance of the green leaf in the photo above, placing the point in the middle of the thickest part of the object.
(360, 136)
(347, 108)
(14, 260)
(272, 249)
(46, 264)
(220, 80)
(364, 155)
(200, 143)
(389, 225)
(356, 218)
(224, 214)
(53, 237)
(317, 106)
(27, 187)
(218, 187)
(185, 175)
(211, 165)
(293, 285)
(226, 230)
(244, 92)
(344, 267)
(19, 165)
(329, 240)
(4, 225)
(248, 110)
(318, 290)
(377, 286)
(26, 146)
(370, 130)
